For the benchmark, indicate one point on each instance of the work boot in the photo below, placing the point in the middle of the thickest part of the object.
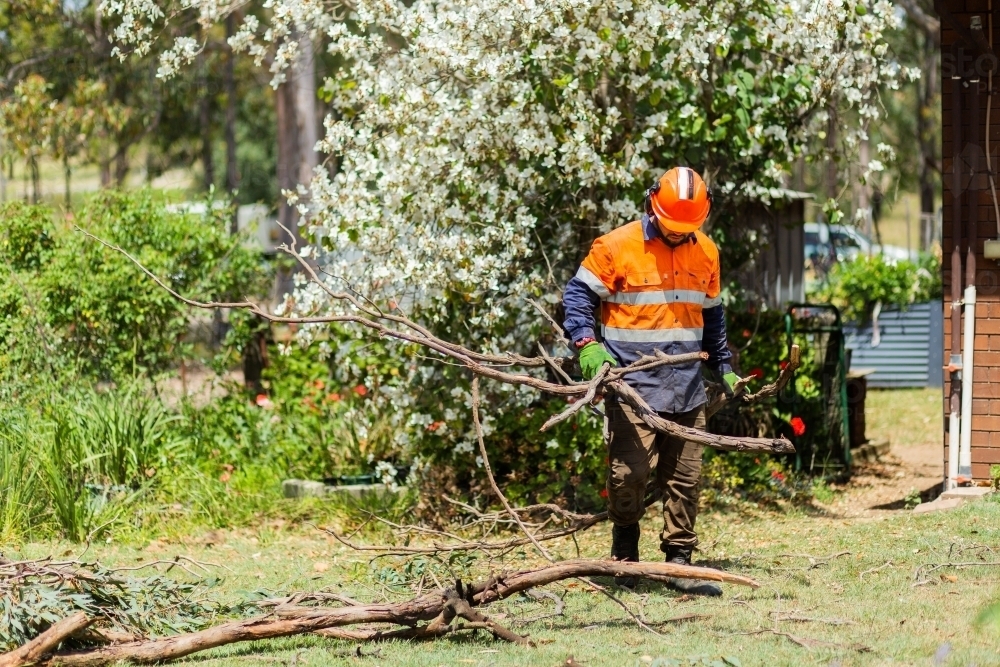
(625, 546)
(682, 556)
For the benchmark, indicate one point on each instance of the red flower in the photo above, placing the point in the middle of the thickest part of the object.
(775, 474)
(334, 397)
(604, 493)
(757, 373)
(798, 426)
(784, 364)
(434, 426)
(746, 333)
(361, 390)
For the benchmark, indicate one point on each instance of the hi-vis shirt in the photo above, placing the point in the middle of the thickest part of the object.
(652, 297)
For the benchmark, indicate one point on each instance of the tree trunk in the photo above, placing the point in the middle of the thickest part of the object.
(205, 124)
(288, 148)
(831, 165)
(927, 135)
(306, 118)
(3, 176)
(121, 165)
(35, 179)
(67, 174)
(232, 172)
(864, 205)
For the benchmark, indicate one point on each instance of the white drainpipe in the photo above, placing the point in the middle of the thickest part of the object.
(969, 341)
(953, 443)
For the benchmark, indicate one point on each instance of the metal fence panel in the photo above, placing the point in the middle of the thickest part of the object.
(909, 353)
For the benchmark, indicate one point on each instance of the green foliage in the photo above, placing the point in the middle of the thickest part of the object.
(33, 597)
(18, 479)
(731, 477)
(89, 304)
(856, 286)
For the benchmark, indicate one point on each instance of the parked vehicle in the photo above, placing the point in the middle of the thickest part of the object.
(825, 244)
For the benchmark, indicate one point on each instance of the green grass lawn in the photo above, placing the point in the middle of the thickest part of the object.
(838, 587)
(829, 574)
(905, 416)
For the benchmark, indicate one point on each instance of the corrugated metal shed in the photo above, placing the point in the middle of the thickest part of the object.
(909, 352)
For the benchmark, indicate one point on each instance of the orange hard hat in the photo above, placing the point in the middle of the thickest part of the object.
(680, 200)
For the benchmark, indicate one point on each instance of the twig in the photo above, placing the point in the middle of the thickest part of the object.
(624, 606)
(806, 642)
(873, 570)
(489, 473)
(768, 390)
(815, 561)
(931, 568)
(575, 407)
(542, 595)
(794, 617)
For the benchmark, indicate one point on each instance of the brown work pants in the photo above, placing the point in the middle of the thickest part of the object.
(634, 451)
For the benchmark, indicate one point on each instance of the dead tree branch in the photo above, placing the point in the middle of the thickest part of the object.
(489, 473)
(47, 641)
(436, 610)
(767, 391)
(365, 313)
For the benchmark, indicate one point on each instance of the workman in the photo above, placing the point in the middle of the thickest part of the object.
(655, 285)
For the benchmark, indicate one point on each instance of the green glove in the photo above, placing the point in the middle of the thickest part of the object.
(729, 381)
(592, 357)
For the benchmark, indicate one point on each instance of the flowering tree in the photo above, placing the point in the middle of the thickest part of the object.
(482, 145)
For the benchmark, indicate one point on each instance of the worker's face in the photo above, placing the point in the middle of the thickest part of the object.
(673, 238)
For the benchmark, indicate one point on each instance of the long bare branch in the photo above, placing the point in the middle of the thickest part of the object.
(478, 363)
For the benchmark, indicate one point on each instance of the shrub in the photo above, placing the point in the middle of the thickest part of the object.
(856, 286)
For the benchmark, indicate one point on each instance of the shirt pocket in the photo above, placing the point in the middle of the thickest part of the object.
(642, 275)
(638, 280)
(697, 280)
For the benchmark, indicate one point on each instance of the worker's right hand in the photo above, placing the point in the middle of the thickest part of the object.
(592, 357)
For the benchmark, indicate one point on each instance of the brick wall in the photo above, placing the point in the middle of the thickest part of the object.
(986, 378)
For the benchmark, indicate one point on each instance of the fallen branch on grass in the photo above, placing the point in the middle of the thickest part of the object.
(924, 570)
(44, 643)
(807, 643)
(427, 615)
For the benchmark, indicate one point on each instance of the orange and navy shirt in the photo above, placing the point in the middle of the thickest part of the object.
(652, 297)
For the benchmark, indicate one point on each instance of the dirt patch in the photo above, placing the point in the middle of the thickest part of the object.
(887, 485)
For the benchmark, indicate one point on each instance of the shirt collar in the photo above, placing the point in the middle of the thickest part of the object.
(650, 230)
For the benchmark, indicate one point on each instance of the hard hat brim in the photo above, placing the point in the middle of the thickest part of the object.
(686, 226)
(679, 227)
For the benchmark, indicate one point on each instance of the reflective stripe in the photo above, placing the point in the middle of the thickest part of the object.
(674, 335)
(712, 303)
(658, 296)
(593, 282)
